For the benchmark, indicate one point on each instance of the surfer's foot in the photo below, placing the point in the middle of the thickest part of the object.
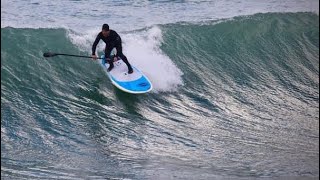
(130, 71)
(110, 68)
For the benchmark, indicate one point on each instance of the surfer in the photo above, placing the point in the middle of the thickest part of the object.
(112, 40)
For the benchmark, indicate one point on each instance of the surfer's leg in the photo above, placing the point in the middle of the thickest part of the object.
(107, 52)
(123, 57)
(125, 60)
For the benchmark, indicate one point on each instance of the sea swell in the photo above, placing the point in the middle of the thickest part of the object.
(233, 98)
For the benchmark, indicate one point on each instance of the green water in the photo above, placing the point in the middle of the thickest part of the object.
(248, 105)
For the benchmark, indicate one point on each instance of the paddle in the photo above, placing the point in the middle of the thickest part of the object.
(49, 54)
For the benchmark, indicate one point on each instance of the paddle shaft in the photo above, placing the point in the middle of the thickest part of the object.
(76, 55)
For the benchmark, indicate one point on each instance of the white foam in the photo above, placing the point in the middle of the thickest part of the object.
(143, 51)
(85, 39)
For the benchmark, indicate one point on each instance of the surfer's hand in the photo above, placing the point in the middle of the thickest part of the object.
(94, 57)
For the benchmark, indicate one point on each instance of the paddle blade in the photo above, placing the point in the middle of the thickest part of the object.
(49, 54)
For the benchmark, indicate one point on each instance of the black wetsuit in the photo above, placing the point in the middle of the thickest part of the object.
(112, 41)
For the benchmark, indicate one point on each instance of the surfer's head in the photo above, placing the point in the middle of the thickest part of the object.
(105, 30)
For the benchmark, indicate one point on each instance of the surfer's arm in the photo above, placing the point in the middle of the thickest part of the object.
(94, 46)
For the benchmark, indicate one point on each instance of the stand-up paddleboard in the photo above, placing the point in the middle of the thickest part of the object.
(135, 83)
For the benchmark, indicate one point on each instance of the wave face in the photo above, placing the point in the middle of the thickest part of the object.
(235, 98)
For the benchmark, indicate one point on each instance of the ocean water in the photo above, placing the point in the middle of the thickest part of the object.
(236, 90)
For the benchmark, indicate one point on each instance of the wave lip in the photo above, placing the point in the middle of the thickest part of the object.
(83, 15)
